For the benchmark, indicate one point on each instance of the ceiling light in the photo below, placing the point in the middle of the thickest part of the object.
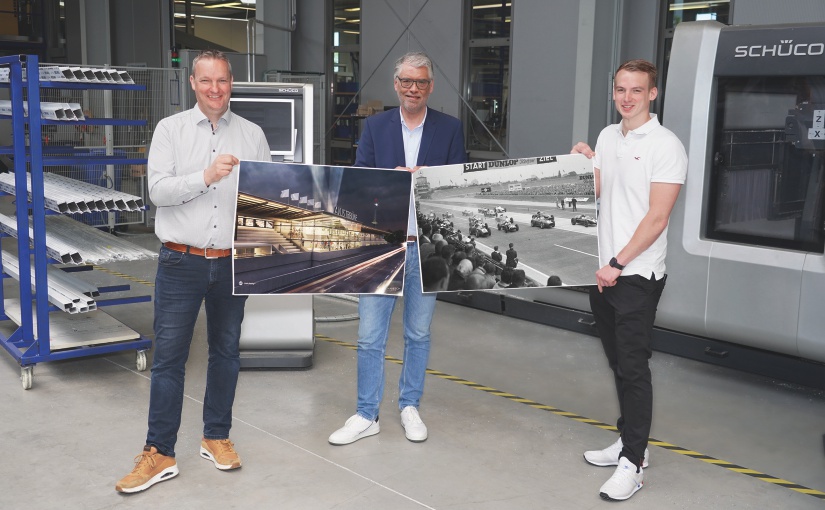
(492, 6)
(352, 9)
(697, 5)
(219, 17)
(248, 2)
(225, 4)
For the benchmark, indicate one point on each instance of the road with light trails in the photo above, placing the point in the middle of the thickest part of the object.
(383, 275)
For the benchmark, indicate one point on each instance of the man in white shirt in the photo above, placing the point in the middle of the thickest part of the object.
(639, 167)
(193, 186)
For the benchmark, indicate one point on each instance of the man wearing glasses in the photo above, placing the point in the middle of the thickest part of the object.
(405, 138)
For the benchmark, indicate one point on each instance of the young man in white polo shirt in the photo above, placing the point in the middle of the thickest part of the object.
(640, 167)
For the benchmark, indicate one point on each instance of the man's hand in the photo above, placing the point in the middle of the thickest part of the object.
(583, 148)
(411, 170)
(220, 168)
(606, 276)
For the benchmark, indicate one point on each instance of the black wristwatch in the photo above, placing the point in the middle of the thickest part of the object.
(615, 263)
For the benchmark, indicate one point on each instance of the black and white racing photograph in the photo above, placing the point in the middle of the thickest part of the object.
(506, 224)
(313, 229)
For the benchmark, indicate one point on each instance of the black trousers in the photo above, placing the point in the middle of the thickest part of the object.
(624, 317)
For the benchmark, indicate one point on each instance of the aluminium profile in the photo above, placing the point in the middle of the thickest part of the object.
(60, 294)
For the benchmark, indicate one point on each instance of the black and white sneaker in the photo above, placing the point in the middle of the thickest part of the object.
(626, 480)
(414, 428)
(355, 428)
(610, 455)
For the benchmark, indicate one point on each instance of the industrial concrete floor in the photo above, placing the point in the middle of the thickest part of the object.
(503, 442)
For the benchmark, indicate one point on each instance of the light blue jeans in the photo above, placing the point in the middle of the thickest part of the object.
(373, 331)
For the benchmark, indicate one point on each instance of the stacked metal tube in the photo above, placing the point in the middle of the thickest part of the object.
(72, 242)
(65, 292)
(66, 195)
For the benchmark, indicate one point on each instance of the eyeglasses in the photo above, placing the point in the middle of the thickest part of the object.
(408, 82)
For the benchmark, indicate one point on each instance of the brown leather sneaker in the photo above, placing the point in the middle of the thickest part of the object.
(221, 452)
(151, 467)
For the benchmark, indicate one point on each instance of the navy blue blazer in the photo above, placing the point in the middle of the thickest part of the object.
(382, 146)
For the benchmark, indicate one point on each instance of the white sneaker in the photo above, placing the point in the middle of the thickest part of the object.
(610, 455)
(624, 482)
(355, 428)
(414, 428)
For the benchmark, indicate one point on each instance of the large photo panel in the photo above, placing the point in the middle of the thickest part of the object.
(507, 224)
(312, 229)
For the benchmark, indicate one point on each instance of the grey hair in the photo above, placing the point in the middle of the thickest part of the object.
(211, 54)
(414, 59)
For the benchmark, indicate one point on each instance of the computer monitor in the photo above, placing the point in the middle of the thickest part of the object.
(284, 112)
(276, 116)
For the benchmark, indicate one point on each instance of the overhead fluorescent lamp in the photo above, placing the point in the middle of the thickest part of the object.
(225, 4)
(353, 21)
(352, 9)
(492, 6)
(697, 5)
(219, 17)
(686, 7)
(248, 2)
(352, 32)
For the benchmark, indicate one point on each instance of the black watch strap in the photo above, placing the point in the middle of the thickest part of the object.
(615, 263)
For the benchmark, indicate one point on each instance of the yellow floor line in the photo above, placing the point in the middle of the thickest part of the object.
(653, 442)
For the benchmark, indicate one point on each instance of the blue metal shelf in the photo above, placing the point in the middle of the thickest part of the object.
(79, 85)
(87, 122)
(26, 347)
(90, 160)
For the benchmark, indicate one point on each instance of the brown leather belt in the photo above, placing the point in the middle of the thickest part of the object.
(412, 239)
(209, 253)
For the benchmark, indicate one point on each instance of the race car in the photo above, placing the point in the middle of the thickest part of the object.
(467, 212)
(500, 209)
(542, 221)
(583, 219)
(506, 224)
(508, 227)
(479, 229)
(447, 215)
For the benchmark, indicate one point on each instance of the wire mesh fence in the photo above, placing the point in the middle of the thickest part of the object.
(163, 96)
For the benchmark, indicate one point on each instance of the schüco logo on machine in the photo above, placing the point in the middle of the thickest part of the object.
(785, 48)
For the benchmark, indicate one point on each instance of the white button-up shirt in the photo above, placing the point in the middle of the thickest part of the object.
(412, 144)
(183, 146)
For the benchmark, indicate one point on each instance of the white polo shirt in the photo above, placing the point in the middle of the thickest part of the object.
(627, 165)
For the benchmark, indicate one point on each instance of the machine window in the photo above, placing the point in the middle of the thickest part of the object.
(768, 162)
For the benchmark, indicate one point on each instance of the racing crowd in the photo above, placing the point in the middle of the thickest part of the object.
(450, 261)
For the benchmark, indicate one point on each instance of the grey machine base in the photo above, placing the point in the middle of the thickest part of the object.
(278, 332)
(276, 359)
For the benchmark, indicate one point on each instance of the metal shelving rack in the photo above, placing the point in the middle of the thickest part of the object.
(27, 344)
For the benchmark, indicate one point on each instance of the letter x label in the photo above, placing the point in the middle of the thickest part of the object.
(817, 132)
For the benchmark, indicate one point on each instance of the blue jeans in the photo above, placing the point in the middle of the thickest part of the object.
(373, 332)
(182, 283)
